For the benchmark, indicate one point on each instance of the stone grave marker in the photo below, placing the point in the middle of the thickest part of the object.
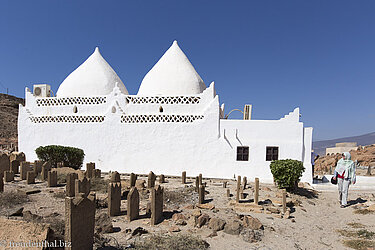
(200, 180)
(97, 173)
(52, 179)
(133, 204)
(47, 166)
(80, 221)
(201, 194)
(25, 167)
(244, 184)
(82, 186)
(256, 191)
(151, 180)
(183, 177)
(30, 177)
(71, 184)
(14, 166)
(197, 184)
(90, 169)
(1, 183)
(8, 176)
(114, 195)
(161, 179)
(238, 189)
(156, 205)
(4, 163)
(133, 179)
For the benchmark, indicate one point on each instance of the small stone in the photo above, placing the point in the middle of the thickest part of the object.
(16, 211)
(174, 229)
(188, 207)
(139, 231)
(287, 214)
(273, 210)
(196, 213)
(293, 220)
(181, 222)
(178, 216)
(213, 234)
(206, 206)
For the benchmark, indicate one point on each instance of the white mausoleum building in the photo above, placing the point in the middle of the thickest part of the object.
(175, 123)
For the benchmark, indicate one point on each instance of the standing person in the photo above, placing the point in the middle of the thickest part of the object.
(345, 174)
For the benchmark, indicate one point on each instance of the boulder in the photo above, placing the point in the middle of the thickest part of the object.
(202, 220)
(252, 223)
(233, 227)
(216, 224)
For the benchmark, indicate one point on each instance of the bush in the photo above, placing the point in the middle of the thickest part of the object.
(287, 173)
(72, 157)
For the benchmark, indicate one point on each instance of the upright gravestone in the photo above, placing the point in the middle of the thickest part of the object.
(45, 168)
(151, 180)
(8, 176)
(82, 186)
(197, 184)
(238, 189)
(161, 179)
(133, 179)
(4, 163)
(114, 195)
(90, 169)
(80, 221)
(224, 184)
(52, 179)
(256, 191)
(71, 184)
(14, 166)
(244, 180)
(30, 177)
(37, 167)
(97, 173)
(133, 204)
(284, 201)
(183, 177)
(228, 192)
(201, 194)
(200, 179)
(25, 167)
(156, 205)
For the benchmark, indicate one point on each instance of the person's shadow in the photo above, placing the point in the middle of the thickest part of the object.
(356, 201)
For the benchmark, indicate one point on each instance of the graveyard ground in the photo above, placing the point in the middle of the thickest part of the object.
(314, 219)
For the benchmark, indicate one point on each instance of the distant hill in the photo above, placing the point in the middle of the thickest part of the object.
(320, 146)
(8, 118)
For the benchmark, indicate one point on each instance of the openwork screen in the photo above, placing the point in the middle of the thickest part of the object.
(54, 101)
(163, 99)
(159, 118)
(242, 153)
(67, 119)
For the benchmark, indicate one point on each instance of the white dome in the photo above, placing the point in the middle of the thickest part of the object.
(93, 77)
(173, 74)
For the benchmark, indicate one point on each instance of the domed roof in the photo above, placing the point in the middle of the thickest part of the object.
(173, 74)
(93, 77)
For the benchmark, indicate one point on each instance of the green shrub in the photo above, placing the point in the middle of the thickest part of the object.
(287, 173)
(72, 157)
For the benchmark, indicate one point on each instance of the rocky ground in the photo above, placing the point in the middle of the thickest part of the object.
(364, 155)
(314, 220)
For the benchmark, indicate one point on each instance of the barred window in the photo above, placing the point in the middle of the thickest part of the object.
(242, 153)
(272, 153)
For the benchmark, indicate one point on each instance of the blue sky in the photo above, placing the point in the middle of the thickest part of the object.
(276, 55)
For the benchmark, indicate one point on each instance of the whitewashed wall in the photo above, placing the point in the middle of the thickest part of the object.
(206, 145)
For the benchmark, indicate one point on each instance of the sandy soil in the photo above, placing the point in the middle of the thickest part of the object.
(313, 224)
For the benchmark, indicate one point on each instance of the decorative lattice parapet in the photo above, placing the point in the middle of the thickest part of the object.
(63, 101)
(68, 119)
(160, 118)
(163, 99)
